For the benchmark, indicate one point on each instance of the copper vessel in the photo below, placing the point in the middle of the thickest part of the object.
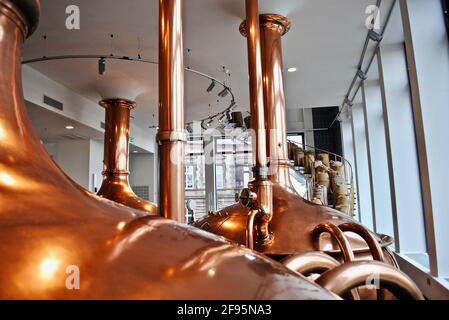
(294, 219)
(115, 184)
(53, 230)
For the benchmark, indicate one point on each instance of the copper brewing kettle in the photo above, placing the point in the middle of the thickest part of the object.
(52, 230)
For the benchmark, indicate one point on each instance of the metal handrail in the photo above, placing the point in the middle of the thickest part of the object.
(337, 157)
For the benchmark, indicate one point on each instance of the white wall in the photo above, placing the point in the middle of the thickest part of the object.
(143, 172)
(301, 120)
(95, 164)
(79, 159)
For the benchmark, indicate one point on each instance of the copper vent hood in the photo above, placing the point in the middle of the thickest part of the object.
(115, 184)
(50, 226)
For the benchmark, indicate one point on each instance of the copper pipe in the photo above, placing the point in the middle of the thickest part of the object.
(373, 244)
(352, 275)
(310, 262)
(115, 184)
(261, 185)
(50, 225)
(251, 29)
(250, 229)
(338, 235)
(171, 135)
(273, 27)
(376, 250)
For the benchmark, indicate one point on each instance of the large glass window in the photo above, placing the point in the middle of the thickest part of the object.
(195, 177)
(233, 158)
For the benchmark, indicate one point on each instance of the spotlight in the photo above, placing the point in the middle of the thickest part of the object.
(101, 66)
(223, 93)
(292, 69)
(222, 117)
(211, 86)
(70, 127)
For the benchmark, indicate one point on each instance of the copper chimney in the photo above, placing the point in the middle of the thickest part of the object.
(50, 226)
(295, 221)
(115, 185)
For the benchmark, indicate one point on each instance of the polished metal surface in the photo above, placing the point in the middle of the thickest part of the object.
(294, 218)
(171, 134)
(50, 228)
(115, 184)
(310, 262)
(352, 275)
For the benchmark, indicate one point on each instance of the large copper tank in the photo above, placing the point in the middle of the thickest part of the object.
(295, 220)
(115, 184)
(50, 226)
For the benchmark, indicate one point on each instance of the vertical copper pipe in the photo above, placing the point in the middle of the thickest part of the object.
(251, 29)
(171, 136)
(261, 185)
(115, 184)
(273, 27)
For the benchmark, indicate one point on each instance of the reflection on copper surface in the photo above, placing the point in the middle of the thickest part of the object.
(352, 275)
(171, 135)
(294, 218)
(115, 185)
(49, 223)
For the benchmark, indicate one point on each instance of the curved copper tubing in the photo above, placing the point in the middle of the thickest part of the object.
(376, 250)
(48, 223)
(171, 135)
(373, 244)
(338, 235)
(115, 184)
(250, 229)
(354, 274)
(310, 262)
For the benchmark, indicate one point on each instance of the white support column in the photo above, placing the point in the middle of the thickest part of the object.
(427, 48)
(364, 189)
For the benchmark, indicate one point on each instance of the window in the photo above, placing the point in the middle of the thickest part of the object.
(219, 177)
(189, 177)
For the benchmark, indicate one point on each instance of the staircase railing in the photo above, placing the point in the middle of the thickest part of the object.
(348, 172)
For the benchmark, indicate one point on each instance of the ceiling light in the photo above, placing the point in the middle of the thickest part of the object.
(69, 127)
(211, 86)
(135, 151)
(292, 69)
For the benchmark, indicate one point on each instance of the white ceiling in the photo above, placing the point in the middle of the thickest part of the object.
(324, 44)
(51, 127)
